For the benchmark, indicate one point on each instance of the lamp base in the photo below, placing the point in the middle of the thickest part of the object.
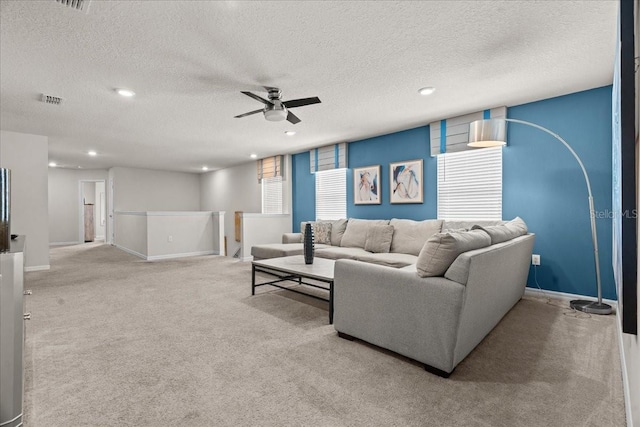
(592, 307)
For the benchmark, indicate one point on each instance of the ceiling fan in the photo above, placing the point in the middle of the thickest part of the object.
(275, 109)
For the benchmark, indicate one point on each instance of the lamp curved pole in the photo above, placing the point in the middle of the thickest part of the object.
(582, 305)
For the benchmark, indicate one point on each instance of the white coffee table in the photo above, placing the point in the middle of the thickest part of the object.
(293, 268)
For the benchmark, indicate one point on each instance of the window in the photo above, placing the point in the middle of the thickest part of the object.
(470, 184)
(272, 195)
(331, 194)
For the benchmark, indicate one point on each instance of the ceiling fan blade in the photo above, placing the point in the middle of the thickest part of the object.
(292, 118)
(257, 98)
(301, 102)
(249, 113)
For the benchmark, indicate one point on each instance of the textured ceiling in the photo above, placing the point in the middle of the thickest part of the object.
(187, 61)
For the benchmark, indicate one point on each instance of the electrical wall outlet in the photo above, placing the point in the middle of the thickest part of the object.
(535, 259)
(170, 239)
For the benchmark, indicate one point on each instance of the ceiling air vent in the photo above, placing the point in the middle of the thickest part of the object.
(50, 99)
(82, 5)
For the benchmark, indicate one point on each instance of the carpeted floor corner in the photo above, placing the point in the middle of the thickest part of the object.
(117, 341)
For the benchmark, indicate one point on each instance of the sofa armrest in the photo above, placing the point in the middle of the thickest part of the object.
(292, 238)
(398, 310)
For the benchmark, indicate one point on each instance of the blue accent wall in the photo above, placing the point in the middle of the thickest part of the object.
(304, 190)
(543, 184)
(395, 147)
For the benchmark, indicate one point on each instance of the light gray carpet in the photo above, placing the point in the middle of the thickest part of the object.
(116, 341)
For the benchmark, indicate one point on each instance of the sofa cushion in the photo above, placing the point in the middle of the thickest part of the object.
(389, 259)
(502, 233)
(337, 231)
(276, 250)
(321, 231)
(331, 252)
(443, 248)
(410, 236)
(378, 238)
(356, 233)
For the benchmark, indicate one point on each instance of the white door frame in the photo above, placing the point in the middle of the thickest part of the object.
(111, 231)
(81, 207)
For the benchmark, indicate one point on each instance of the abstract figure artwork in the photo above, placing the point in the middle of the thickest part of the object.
(366, 185)
(406, 181)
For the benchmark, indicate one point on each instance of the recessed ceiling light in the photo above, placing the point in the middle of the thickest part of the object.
(125, 92)
(53, 164)
(92, 153)
(204, 168)
(289, 133)
(253, 156)
(427, 90)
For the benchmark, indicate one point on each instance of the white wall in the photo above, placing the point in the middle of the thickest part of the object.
(152, 190)
(191, 234)
(131, 232)
(230, 190)
(258, 229)
(89, 193)
(27, 156)
(100, 210)
(237, 189)
(64, 203)
(161, 235)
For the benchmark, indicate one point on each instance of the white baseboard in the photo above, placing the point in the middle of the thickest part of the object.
(534, 292)
(37, 268)
(625, 377)
(130, 251)
(63, 243)
(182, 255)
(167, 256)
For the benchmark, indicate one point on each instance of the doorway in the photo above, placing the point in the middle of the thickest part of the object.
(92, 211)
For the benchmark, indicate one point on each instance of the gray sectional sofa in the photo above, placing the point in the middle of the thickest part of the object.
(429, 290)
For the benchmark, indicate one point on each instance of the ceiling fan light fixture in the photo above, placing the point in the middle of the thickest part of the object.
(275, 115)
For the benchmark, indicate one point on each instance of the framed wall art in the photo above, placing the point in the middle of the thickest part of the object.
(366, 185)
(406, 181)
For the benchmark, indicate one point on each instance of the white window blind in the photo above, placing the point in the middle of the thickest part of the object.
(272, 195)
(470, 184)
(331, 194)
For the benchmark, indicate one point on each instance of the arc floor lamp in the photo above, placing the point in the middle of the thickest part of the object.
(492, 133)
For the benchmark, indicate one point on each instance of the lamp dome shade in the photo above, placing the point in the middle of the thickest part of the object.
(487, 133)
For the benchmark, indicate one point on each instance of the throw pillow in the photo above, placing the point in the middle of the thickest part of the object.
(321, 231)
(379, 238)
(337, 231)
(443, 248)
(410, 236)
(356, 233)
(502, 233)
